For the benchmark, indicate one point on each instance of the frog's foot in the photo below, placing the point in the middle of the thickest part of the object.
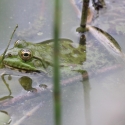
(81, 29)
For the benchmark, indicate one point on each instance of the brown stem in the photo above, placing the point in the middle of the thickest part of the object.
(82, 27)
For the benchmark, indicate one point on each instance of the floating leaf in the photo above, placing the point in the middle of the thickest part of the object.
(4, 118)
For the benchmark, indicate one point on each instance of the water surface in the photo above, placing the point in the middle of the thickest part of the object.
(98, 100)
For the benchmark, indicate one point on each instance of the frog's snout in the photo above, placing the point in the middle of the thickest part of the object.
(8, 55)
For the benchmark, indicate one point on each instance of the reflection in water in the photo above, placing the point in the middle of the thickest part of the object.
(82, 40)
(28, 114)
(86, 87)
(26, 83)
(7, 85)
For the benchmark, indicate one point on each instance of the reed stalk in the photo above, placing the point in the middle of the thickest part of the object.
(56, 77)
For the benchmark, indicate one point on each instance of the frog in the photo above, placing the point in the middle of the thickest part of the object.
(37, 57)
(31, 57)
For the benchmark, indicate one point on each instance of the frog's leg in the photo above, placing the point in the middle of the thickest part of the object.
(9, 96)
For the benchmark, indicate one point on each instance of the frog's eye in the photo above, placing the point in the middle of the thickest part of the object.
(25, 54)
(20, 44)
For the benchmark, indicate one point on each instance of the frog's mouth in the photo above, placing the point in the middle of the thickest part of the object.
(20, 67)
(21, 70)
(17, 69)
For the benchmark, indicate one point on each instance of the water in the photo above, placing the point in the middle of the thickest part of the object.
(98, 100)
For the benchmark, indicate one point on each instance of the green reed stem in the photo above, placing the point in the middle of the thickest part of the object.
(56, 77)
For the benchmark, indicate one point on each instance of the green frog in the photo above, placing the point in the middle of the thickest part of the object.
(38, 57)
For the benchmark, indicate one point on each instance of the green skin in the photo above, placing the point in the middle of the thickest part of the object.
(41, 55)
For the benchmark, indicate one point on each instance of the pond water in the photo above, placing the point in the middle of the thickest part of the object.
(99, 99)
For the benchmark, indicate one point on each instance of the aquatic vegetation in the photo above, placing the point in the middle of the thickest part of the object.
(108, 41)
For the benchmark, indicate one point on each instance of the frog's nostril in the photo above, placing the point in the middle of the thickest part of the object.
(9, 54)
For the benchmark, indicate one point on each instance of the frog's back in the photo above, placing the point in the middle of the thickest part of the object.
(69, 52)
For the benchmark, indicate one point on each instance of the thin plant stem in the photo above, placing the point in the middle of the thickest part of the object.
(3, 55)
(56, 77)
(84, 14)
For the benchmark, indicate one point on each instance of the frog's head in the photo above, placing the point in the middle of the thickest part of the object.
(21, 57)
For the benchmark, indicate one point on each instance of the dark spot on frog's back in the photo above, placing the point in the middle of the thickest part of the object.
(64, 47)
(76, 52)
(70, 46)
